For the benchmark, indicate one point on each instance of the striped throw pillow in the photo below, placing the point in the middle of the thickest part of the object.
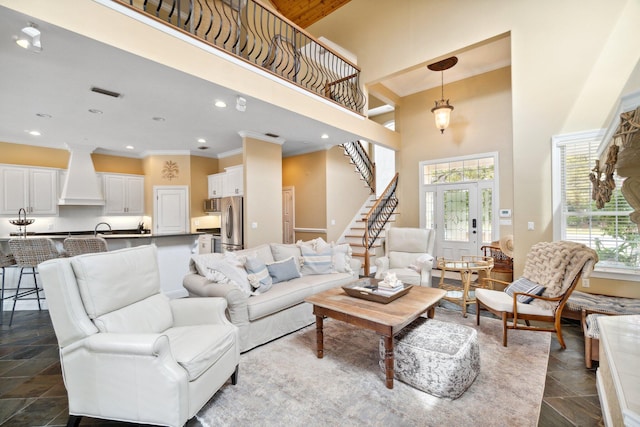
(526, 286)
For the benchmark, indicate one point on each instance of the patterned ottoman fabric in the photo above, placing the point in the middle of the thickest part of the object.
(442, 359)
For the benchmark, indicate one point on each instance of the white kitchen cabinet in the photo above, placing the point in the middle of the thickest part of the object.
(124, 194)
(234, 181)
(216, 185)
(34, 189)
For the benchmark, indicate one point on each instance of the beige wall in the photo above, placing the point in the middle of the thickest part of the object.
(225, 162)
(263, 192)
(346, 192)
(568, 70)
(154, 170)
(30, 155)
(480, 123)
(306, 173)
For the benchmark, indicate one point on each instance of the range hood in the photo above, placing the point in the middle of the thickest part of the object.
(81, 185)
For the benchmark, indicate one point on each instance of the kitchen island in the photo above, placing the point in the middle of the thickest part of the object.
(174, 252)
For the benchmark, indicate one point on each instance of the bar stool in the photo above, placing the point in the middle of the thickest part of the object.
(6, 260)
(28, 253)
(84, 245)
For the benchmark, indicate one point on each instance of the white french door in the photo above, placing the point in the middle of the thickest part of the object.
(459, 224)
(458, 198)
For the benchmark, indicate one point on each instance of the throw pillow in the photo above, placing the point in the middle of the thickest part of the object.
(341, 258)
(524, 285)
(222, 269)
(258, 274)
(282, 252)
(316, 261)
(282, 271)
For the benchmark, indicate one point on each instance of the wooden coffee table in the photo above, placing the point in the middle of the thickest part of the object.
(385, 319)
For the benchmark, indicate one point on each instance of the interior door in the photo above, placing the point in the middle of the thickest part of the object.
(288, 215)
(171, 209)
(459, 220)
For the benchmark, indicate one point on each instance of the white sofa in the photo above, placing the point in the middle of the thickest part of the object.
(263, 315)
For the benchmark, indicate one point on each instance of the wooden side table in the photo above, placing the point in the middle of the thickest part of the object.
(468, 265)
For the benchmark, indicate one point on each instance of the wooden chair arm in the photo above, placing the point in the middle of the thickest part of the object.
(489, 279)
(540, 297)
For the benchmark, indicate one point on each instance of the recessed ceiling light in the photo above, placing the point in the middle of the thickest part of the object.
(159, 119)
(95, 111)
(129, 147)
(220, 104)
(324, 136)
(202, 140)
(33, 132)
(44, 115)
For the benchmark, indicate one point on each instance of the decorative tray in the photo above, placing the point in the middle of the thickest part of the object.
(367, 289)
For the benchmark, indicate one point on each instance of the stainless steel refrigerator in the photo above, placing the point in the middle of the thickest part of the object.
(231, 224)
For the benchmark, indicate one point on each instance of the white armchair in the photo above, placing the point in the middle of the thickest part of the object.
(408, 254)
(127, 351)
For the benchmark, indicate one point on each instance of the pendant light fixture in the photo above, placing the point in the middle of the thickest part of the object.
(442, 110)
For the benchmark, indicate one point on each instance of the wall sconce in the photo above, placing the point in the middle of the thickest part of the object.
(442, 110)
(29, 38)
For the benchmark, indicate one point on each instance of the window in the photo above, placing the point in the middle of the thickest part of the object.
(609, 231)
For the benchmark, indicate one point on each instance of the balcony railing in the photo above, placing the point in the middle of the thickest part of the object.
(256, 34)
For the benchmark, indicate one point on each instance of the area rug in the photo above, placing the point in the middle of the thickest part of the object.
(283, 383)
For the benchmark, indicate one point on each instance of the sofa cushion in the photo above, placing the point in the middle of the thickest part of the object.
(258, 274)
(103, 286)
(281, 271)
(196, 348)
(261, 251)
(293, 292)
(316, 261)
(283, 251)
(151, 315)
(402, 259)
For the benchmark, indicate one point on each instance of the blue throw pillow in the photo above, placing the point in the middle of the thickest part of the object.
(526, 286)
(258, 275)
(282, 271)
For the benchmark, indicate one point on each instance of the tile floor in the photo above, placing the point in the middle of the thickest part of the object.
(32, 392)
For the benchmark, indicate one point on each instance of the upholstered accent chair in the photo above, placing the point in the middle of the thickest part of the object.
(551, 272)
(127, 351)
(408, 254)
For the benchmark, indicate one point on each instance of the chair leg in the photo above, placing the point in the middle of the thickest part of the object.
(35, 282)
(504, 329)
(477, 312)
(234, 376)
(15, 297)
(73, 421)
(2, 297)
(587, 352)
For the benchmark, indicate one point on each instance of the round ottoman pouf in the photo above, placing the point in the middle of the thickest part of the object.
(437, 357)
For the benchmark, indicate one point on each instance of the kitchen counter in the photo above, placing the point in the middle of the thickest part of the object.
(109, 236)
(174, 252)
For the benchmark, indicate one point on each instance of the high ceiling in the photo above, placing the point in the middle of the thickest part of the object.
(161, 109)
(305, 12)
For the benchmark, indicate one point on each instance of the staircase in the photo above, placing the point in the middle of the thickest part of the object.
(368, 227)
(353, 235)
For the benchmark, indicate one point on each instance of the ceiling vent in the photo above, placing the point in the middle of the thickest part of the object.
(106, 92)
(272, 135)
(203, 147)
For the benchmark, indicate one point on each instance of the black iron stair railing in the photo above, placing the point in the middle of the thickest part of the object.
(362, 162)
(377, 218)
(251, 31)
